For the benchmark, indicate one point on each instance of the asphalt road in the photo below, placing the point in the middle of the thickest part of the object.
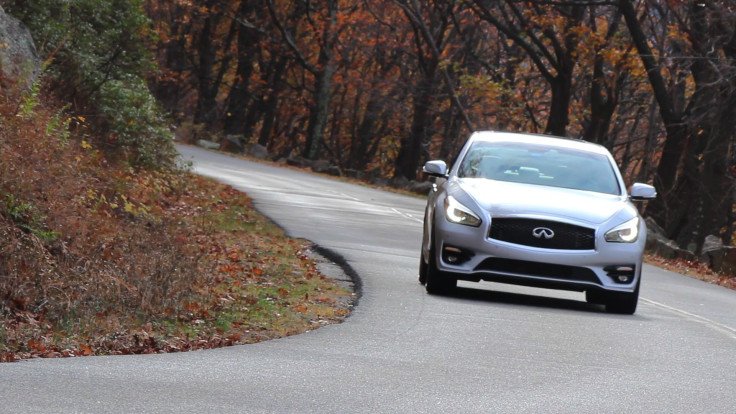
(490, 348)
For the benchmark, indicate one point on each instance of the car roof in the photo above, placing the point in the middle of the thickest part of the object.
(538, 139)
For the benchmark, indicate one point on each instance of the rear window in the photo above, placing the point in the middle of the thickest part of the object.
(540, 165)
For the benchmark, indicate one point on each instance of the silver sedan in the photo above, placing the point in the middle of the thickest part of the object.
(535, 210)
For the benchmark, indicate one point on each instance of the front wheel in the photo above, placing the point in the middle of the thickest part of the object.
(623, 303)
(437, 282)
(595, 297)
(422, 270)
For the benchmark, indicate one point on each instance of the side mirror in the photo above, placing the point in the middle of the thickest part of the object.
(435, 168)
(641, 192)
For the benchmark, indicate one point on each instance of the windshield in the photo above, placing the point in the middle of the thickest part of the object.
(540, 165)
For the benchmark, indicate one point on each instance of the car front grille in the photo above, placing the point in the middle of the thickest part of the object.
(547, 270)
(532, 232)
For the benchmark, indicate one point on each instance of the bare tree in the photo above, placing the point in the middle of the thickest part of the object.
(693, 175)
(323, 70)
(552, 51)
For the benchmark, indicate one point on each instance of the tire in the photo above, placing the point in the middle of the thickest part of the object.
(623, 303)
(595, 297)
(438, 282)
(422, 269)
(422, 263)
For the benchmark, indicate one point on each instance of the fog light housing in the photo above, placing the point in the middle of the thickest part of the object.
(623, 274)
(456, 255)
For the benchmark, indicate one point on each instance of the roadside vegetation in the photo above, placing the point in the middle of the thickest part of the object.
(107, 244)
(98, 257)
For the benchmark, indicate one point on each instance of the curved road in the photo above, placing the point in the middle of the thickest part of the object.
(490, 348)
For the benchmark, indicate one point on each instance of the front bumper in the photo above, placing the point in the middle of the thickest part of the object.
(468, 253)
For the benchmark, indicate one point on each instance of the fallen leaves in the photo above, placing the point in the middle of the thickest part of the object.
(252, 284)
(693, 269)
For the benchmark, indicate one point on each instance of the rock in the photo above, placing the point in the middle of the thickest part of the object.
(720, 258)
(400, 182)
(662, 246)
(653, 227)
(657, 243)
(334, 170)
(320, 166)
(712, 243)
(685, 255)
(379, 181)
(297, 161)
(728, 265)
(208, 144)
(712, 252)
(354, 173)
(232, 143)
(19, 60)
(257, 151)
(420, 187)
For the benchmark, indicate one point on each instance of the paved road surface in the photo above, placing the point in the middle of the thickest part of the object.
(490, 348)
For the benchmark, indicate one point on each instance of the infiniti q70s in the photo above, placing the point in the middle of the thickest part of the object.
(535, 210)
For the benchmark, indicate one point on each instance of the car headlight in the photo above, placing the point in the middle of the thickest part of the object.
(458, 213)
(625, 233)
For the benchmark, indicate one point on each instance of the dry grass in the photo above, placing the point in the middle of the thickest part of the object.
(96, 258)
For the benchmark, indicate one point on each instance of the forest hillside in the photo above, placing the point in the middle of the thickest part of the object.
(109, 245)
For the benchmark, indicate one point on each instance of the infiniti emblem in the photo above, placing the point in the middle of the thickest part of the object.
(543, 232)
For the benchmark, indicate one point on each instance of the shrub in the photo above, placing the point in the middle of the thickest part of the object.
(136, 122)
(98, 63)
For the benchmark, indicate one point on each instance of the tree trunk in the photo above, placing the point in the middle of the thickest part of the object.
(409, 155)
(270, 101)
(323, 87)
(604, 94)
(692, 175)
(207, 91)
(169, 90)
(363, 135)
(713, 108)
(321, 109)
(664, 209)
(559, 118)
(238, 98)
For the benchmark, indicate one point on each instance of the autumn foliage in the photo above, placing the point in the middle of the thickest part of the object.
(99, 258)
(379, 87)
(104, 240)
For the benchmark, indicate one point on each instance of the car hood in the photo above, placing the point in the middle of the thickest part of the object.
(501, 198)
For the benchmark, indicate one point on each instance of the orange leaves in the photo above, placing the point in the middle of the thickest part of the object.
(239, 265)
(192, 307)
(85, 350)
(6, 356)
(45, 347)
(230, 269)
(234, 257)
(37, 345)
